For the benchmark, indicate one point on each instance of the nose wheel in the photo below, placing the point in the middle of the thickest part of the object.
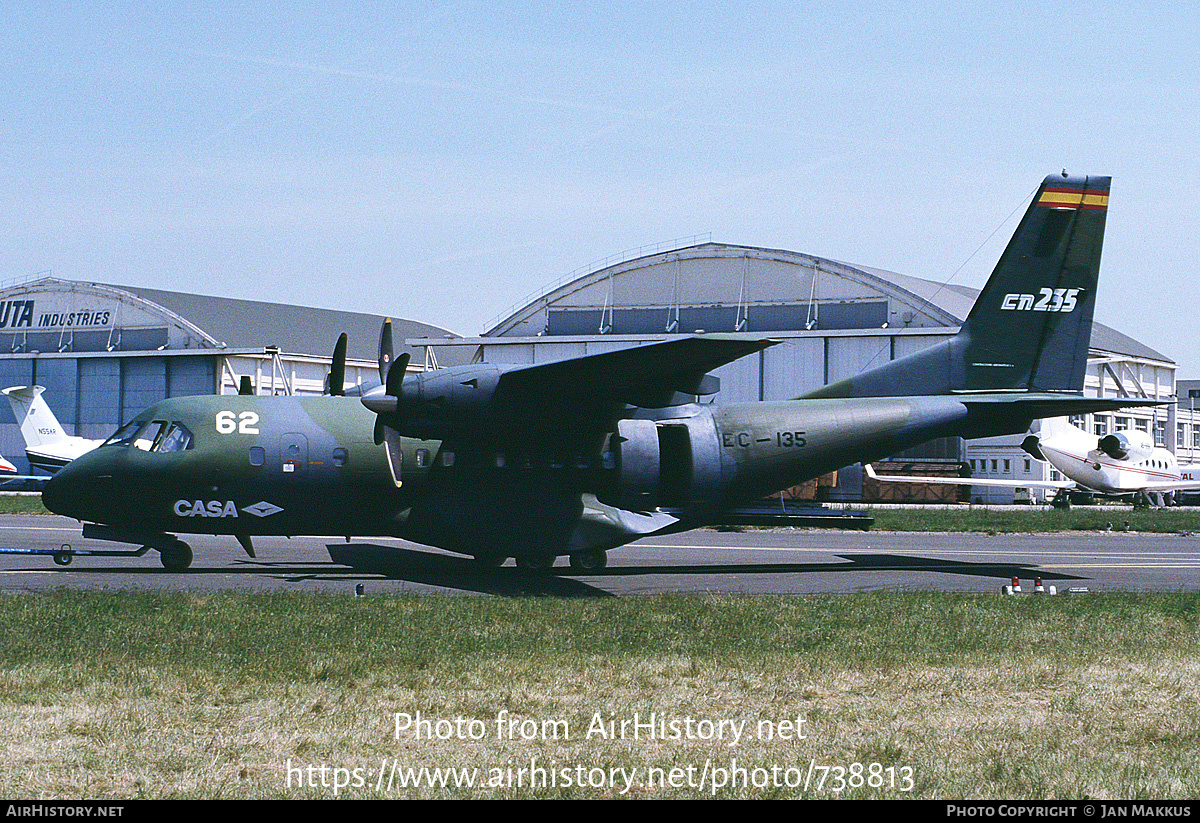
(176, 556)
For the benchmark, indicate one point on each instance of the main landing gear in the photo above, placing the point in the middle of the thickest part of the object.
(581, 562)
(592, 561)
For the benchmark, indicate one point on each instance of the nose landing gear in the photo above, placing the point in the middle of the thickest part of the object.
(176, 556)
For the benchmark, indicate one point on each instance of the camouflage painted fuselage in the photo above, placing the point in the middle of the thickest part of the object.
(309, 466)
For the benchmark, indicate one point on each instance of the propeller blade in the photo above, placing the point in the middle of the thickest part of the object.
(396, 374)
(337, 370)
(385, 350)
(379, 433)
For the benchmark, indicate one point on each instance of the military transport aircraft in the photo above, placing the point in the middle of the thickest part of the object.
(1122, 464)
(579, 456)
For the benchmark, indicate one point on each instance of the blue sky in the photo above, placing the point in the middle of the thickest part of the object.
(442, 161)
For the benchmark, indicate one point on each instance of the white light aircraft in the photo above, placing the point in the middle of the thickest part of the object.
(1118, 464)
(46, 445)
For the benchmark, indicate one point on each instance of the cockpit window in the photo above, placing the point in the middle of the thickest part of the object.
(177, 439)
(124, 436)
(147, 437)
(157, 436)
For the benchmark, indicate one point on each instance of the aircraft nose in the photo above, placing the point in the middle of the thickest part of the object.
(66, 492)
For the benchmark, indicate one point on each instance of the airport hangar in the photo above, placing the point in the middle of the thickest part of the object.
(106, 352)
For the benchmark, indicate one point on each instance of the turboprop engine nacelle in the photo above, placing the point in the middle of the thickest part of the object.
(439, 403)
(1125, 445)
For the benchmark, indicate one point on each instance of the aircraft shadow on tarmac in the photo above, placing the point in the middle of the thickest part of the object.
(364, 562)
(465, 574)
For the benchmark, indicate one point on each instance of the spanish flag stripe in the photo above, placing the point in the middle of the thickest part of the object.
(1069, 198)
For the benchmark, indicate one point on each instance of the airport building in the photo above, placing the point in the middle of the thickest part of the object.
(105, 352)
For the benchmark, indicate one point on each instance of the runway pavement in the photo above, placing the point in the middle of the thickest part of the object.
(756, 561)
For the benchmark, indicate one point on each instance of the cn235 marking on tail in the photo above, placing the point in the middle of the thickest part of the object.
(1061, 300)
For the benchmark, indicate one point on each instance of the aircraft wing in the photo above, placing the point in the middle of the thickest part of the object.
(649, 376)
(565, 402)
(652, 376)
(973, 481)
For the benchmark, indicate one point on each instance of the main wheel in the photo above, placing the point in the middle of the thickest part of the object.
(589, 561)
(535, 563)
(176, 557)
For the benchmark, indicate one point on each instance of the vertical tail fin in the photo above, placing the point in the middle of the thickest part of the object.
(1032, 323)
(38, 424)
(1030, 327)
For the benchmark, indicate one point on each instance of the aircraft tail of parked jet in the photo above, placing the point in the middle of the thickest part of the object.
(47, 446)
(1030, 327)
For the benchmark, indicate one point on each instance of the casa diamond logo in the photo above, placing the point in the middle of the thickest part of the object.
(263, 509)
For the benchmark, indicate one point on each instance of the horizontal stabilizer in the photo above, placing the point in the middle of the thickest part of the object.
(970, 481)
(1038, 405)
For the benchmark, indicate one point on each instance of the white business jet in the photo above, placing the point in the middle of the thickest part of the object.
(46, 445)
(1118, 464)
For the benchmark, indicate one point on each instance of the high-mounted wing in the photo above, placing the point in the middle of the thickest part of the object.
(577, 396)
(650, 376)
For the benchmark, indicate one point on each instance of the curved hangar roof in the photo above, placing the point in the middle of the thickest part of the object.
(717, 287)
(53, 315)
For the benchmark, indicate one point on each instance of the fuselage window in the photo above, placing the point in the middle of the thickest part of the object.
(258, 456)
(340, 456)
(447, 458)
(422, 457)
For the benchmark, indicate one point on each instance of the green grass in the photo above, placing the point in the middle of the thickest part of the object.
(22, 504)
(123, 694)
